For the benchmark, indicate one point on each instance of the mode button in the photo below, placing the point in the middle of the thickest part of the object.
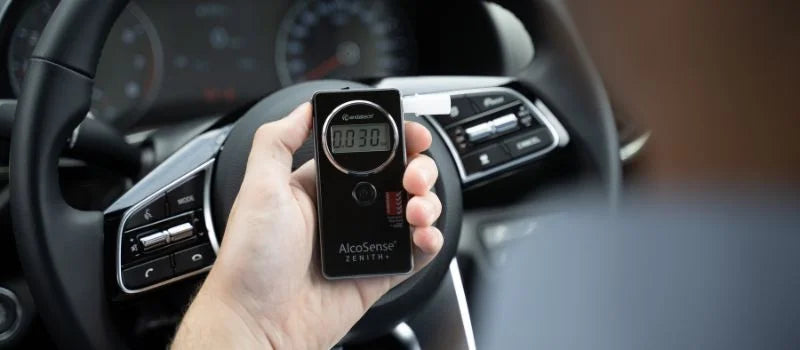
(487, 101)
(187, 196)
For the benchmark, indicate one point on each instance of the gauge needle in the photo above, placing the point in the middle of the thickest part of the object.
(323, 68)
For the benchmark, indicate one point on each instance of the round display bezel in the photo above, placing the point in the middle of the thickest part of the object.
(395, 133)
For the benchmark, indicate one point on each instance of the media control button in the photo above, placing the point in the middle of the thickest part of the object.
(179, 232)
(529, 142)
(150, 213)
(505, 123)
(148, 273)
(193, 258)
(479, 132)
(487, 101)
(154, 240)
(131, 248)
(460, 108)
(526, 117)
(364, 193)
(187, 196)
(485, 158)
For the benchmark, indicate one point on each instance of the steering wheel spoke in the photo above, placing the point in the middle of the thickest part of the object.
(162, 230)
(492, 128)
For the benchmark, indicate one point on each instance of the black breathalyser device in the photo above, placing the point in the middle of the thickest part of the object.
(361, 157)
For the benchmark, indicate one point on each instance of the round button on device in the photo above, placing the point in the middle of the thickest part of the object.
(364, 193)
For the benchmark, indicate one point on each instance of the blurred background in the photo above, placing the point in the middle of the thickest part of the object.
(716, 82)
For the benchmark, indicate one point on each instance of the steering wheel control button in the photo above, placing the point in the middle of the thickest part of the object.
(526, 117)
(154, 240)
(505, 123)
(487, 101)
(460, 108)
(485, 158)
(364, 193)
(480, 132)
(528, 142)
(148, 214)
(187, 196)
(180, 232)
(148, 273)
(193, 258)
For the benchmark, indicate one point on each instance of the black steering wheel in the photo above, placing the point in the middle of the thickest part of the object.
(85, 268)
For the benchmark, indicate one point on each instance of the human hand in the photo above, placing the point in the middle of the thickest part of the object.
(265, 289)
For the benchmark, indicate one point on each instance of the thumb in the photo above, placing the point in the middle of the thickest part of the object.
(274, 144)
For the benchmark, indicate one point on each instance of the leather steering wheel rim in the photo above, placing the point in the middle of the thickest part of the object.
(62, 248)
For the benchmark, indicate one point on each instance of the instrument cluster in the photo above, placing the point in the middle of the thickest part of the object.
(165, 61)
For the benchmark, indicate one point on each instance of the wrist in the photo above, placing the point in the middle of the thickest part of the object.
(214, 321)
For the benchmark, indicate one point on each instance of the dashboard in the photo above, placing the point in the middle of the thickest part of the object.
(170, 60)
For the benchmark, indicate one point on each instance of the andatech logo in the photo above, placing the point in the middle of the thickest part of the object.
(348, 117)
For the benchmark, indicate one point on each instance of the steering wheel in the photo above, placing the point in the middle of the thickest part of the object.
(86, 268)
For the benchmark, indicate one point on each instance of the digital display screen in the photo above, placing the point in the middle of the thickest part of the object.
(360, 138)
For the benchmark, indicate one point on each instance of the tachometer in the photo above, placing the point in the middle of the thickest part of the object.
(129, 71)
(345, 39)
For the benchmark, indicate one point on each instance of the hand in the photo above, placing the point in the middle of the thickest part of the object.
(265, 289)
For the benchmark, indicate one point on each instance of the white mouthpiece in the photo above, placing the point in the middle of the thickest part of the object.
(429, 104)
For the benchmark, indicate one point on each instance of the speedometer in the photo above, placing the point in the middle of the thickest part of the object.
(345, 39)
(129, 70)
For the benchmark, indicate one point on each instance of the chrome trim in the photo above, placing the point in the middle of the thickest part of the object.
(212, 237)
(557, 132)
(212, 233)
(631, 149)
(461, 298)
(18, 309)
(406, 336)
(154, 240)
(328, 153)
(3, 9)
(546, 113)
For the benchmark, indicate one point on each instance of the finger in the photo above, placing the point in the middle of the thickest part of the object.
(306, 177)
(428, 240)
(275, 142)
(421, 174)
(423, 210)
(418, 138)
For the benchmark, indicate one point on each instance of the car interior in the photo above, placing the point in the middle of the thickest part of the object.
(126, 127)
